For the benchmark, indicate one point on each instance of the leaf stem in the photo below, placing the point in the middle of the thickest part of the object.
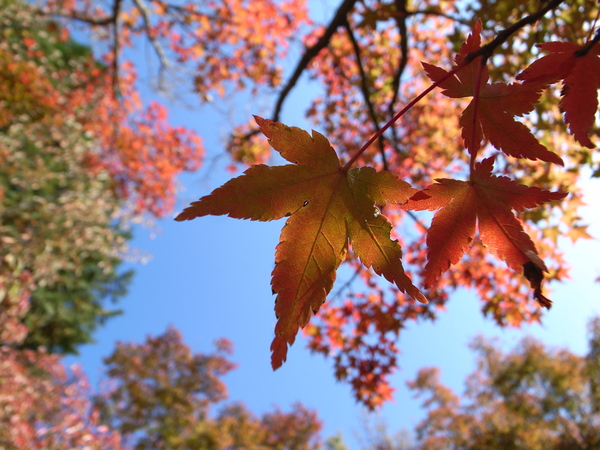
(376, 136)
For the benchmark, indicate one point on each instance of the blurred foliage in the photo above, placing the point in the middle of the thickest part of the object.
(77, 146)
(44, 406)
(532, 397)
(160, 396)
(155, 395)
(62, 237)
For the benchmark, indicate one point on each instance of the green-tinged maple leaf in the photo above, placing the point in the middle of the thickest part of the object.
(579, 69)
(484, 201)
(497, 106)
(329, 206)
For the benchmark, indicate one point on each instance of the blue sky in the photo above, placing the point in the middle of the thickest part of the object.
(210, 278)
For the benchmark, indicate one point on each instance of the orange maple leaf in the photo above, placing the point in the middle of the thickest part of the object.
(497, 106)
(485, 201)
(329, 206)
(578, 66)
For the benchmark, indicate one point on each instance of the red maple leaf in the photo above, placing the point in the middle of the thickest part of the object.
(578, 66)
(486, 202)
(329, 206)
(497, 106)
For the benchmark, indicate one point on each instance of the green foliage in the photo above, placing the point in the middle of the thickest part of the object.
(64, 315)
(62, 238)
(335, 443)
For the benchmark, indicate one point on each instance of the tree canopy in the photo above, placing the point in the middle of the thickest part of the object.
(451, 141)
(160, 395)
(497, 154)
(156, 395)
(70, 185)
(531, 397)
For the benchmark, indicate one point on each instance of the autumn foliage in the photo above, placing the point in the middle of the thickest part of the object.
(532, 396)
(160, 395)
(333, 207)
(483, 114)
(328, 206)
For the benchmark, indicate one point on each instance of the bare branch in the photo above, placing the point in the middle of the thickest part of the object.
(487, 50)
(310, 52)
(365, 91)
(116, 47)
(160, 51)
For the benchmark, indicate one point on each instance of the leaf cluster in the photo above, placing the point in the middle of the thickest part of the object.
(61, 241)
(364, 62)
(482, 204)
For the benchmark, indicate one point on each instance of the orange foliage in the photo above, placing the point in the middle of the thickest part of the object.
(328, 206)
(363, 74)
(366, 63)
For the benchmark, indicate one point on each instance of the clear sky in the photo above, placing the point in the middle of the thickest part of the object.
(210, 278)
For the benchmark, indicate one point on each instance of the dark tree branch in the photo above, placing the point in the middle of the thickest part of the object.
(112, 20)
(487, 50)
(402, 31)
(365, 91)
(403, 36)
(116, 47)
(311, 52)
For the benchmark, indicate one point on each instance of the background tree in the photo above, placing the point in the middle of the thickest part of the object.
(70, 185)
(365, 63)
(531, 397)
(42, 405)
(62, 241)
(159, 395)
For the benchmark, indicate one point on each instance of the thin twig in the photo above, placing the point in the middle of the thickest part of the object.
(365, 90)
(160, 51)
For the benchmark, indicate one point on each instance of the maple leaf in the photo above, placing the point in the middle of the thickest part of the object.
(329, 206)
(484, 201)
(497, 106)
(578, 66)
